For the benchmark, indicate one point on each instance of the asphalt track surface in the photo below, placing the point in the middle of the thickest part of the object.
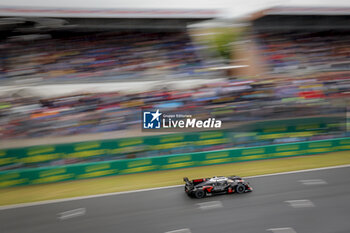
(264, 210)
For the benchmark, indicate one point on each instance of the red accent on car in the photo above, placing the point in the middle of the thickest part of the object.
(230, 190)
(198, 180)
(208, 188)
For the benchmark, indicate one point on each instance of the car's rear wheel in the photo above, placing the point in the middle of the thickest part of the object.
(199, 194)
(240, 188)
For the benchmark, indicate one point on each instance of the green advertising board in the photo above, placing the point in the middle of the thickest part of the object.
(48, 155)
(103, 148)
(127, 166)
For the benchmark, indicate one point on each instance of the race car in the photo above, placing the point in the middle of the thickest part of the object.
(203, 187)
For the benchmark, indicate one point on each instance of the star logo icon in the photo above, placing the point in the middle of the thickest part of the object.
(152, 120)
(156, 115)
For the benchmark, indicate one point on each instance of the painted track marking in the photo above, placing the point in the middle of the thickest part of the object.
(71, 213)
(282, 230)
(300, 203)
(313, 182)
(185, 230)
(210, 205)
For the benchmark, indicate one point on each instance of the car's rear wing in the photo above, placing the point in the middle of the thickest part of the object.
(195, 181)
(188, 182)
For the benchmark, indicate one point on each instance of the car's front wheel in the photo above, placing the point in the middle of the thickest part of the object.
(199, 193)
(240, 188)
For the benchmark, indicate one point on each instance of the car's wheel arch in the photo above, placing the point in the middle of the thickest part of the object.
(240, 188)
(200, 193)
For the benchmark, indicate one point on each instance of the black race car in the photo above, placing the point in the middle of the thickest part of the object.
(200, 188)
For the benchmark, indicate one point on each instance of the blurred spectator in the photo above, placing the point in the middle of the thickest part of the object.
(230, 101)
(305, 52)
(98, 55)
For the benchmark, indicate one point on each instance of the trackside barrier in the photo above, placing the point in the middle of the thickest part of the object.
(46, 155)
(103, 149)
(128, 166)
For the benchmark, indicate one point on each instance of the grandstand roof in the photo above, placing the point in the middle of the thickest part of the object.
(108, 13)
(100, 19)
(293, 10)
(302, 18)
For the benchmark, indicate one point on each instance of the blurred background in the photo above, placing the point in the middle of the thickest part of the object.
(81, 74)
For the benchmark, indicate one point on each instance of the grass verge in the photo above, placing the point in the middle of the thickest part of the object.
(67, 189)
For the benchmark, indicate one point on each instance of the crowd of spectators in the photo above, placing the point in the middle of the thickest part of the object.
(234, 101)
(231, 101)
(99, 55)
(305, 51)
(104, 54)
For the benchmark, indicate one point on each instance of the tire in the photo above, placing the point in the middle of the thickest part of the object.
(240, 188)
(199, 194)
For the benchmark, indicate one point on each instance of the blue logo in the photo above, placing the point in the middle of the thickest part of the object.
(152, 120)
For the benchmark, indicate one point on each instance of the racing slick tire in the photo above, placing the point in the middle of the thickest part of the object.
(240, 188)
(199, 194)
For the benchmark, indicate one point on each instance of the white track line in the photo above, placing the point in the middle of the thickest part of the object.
(300, 171)
(185, 230)
(313, 182)
(300, 203)
(71, 213)
(5, 207)
(282, 230)
(210, 205)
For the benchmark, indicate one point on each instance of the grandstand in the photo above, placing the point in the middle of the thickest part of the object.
(296, 41)
(80, 46)
(69, 54)
(77, 45)
(304, 51)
